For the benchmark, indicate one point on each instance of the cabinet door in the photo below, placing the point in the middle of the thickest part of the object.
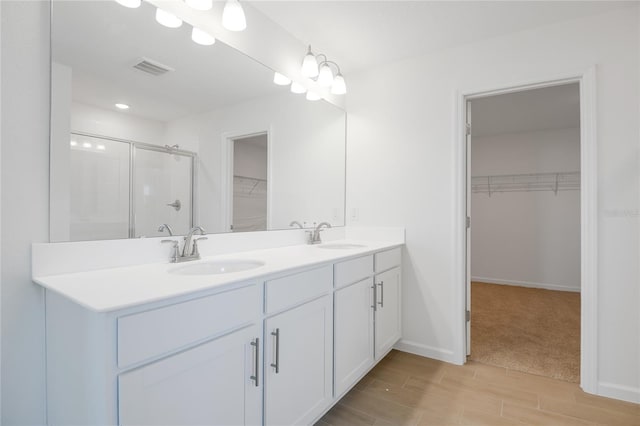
(210, 384)
(298, 363)
(353, 334)
(388, 323)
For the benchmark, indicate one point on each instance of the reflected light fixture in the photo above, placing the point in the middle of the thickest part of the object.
(122, 106)
(73, 143)
(313, 96)
(298, 88)
(325, 76)
(132, 4)
(167, 19)
(281, 80)
(233, 17)
(86, 145)
(339, 87)
(201, 37)
(101, 147)
(309, 65)
(200, 4)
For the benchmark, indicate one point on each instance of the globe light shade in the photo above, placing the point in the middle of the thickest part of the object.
(201, 37)
(309, 65)
(325, 76)
(200, 4)
(297, 88)
(167, 19)
(233, 17)
(132, 4)
(313, 96)
(339, 86)
(281, 80)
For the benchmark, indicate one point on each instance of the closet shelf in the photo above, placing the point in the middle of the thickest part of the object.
(562, 181)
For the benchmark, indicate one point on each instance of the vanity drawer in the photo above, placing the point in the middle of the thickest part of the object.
(388, 259)
(152, 333)
(352, 271)
(293, 289)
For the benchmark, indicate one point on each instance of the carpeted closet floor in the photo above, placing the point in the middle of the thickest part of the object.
(527, 329)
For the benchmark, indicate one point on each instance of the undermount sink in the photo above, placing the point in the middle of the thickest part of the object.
(341, 246)
(216, 267)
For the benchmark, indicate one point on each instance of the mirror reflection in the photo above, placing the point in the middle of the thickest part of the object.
(152, 134)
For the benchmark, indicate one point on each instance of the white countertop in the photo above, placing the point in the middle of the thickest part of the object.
(113, 289)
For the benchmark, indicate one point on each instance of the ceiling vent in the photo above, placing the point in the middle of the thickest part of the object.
(151, 67)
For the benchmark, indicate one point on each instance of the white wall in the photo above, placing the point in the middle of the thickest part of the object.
(25, 205)
(526, 238)
(401, 171)
(306, 163)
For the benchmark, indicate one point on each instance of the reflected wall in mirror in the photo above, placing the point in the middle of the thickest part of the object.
(207, 138)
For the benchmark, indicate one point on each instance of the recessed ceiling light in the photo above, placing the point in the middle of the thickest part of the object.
(281, 80)
(130, 3)
(122, 106)
(201, 37)
(167, 19)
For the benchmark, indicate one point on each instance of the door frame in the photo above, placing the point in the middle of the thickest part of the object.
(226, 174)
(588, 216)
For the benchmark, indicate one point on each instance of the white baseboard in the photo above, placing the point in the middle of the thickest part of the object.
(526, 284)
(426, 351)
(625, 393)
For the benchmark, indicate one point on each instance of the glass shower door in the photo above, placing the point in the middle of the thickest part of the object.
(162, 192)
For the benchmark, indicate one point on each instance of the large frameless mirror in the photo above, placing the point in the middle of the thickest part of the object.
(152, 133)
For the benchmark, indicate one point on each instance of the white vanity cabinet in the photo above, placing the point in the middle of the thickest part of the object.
(298, 347)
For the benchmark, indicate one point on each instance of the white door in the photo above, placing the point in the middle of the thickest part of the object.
(210, 384)
(388, 324)
(468, 230)
(353, 334)
(298, 363)
(162, 192)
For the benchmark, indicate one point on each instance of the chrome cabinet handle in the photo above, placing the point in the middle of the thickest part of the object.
(276, 365)
(381, 302)
(255, 377)
(375, 298)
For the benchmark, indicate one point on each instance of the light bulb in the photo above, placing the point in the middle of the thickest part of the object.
(101, 147)
(122, 106)
(313, 96)
(325, 77)
(281, 80)
(130, 3)
(339, 86)
(200, 4)
(298, 88)
(86, 145)
(167, 19)
(201, 37)
(233, 17)
(73, 143)
(309, 65)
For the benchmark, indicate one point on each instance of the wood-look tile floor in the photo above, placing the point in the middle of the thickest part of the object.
(405, 389)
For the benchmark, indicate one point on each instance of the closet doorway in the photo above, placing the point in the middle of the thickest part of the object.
(524, 238)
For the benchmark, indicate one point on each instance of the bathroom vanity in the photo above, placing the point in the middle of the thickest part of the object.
(277, 343)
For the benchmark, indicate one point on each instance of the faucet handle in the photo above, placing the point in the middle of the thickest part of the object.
(194, 251)
(174, 257)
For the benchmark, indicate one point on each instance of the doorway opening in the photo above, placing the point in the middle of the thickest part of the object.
(249, 183)
(524, 240)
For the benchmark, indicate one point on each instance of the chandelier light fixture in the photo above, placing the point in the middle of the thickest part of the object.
(319, 68)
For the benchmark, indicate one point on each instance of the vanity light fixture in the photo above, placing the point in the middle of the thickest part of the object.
(200, 4)
(313, 96)
(201, 37)
(318, 68)
(233, 17)
(167, 19)
(122, 106)
(281, 80)
(298, 88)
(132, 4)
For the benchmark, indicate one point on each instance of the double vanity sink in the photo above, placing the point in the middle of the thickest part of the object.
(222, 340)
(214, 267)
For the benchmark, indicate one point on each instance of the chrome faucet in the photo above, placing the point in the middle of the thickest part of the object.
(189, 247)
(165, 227)
(296, 223)
(314, 236)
